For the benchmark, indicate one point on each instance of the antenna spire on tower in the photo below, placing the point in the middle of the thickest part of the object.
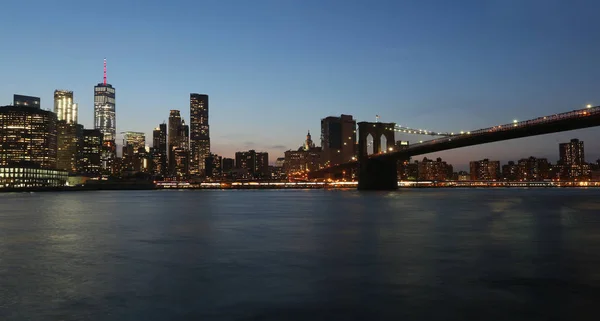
(105, 71)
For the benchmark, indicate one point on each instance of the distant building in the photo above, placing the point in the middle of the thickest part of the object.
(485, 170)
(338, 139)
(463, 176)
(178, 140)
(510, 171)
(572, 160)
(64, 107)
(228, 164)
(159, 150)
(30, 175)
(438, 170)
(180, 163)
(68, 138)
(533, 169)
(27, 101)
(90, 151)
(408, 171)
(133, 143)
(256, 163)
(105, 120)
(199, 133)
(213, 166)
(27, 134)
(307, 158)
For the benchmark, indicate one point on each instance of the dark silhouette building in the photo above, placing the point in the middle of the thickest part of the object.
(338, 139)
(213, 166)
(178, 144)
(89, 153)
(256, 163)
(199, 133)
(572, 160)
(27, 101)
(485, 170)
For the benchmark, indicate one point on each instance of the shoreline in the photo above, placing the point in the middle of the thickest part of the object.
(250, 187)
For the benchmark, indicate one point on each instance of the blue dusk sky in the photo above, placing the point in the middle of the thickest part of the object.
(274, 68)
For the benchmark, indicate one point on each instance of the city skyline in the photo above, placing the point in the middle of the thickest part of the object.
(487, 74)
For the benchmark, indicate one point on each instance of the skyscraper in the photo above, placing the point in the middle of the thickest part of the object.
(90, 151)
(159, 149)
(105, 120)
(68, 131)
(64, 107)
(338, 139)
(199, 133)
(178, 142)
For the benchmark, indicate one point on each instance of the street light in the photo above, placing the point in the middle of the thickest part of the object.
(589, 106)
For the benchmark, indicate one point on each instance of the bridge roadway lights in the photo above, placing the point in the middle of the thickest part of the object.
(378, 174)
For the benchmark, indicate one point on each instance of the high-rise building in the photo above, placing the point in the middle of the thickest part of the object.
(68, 138)
(27, 135)
(214, 165)
(178, 144)
(434, 170)
(159, 149)
(199, 133)
(338, 139)
(256, 163)
(68, 131)
(105, 120)
(572, 160)
(133, 143)
(64, 107)
(485, 170)
(90, 151)
(29, 101)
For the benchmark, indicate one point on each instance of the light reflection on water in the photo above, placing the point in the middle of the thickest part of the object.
(300, 255)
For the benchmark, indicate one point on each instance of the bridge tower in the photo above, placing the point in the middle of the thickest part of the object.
(376, 173)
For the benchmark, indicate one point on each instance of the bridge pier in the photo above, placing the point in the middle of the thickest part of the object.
(378, 174)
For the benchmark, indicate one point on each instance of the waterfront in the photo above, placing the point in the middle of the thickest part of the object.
(416, 254)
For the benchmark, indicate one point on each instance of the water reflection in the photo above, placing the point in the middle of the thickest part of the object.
(300, 255)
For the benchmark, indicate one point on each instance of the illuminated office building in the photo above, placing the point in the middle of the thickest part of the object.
(64, 107)
(27, 135)
(133, 143)
(68, 136)
(199, 133)
(90, 151)
(105, 121)
(68, 131)
(159, 149)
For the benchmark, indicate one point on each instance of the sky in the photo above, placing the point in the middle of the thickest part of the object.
(274, 68)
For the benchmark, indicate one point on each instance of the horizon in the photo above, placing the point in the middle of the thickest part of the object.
(271, 77)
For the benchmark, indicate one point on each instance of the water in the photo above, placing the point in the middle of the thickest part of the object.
(439, 254)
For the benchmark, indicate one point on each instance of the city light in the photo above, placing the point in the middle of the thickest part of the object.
(589, 106)
(515, 121)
